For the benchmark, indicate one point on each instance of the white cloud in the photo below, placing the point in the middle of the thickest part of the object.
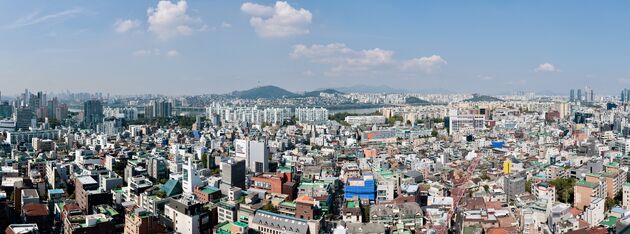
(344, 59)
(483, 77)
(122, 26)
(172, 53)
(170, 20)
(426, 64)
(258, 10)
(546, 67)
(155, 52)
(281, 20)
(36, 18)
(146, 52)
(226, 25)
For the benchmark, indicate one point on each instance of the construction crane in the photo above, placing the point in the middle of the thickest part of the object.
(457, 192)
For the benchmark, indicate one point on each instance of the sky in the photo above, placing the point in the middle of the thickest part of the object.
(200, 47)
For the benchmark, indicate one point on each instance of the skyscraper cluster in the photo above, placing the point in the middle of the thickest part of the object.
(583, 95)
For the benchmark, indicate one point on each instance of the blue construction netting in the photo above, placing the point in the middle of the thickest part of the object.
(367, 190)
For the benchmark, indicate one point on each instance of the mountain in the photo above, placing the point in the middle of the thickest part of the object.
(268, 92)
(483, 98)
(416, 101)
(317, 93)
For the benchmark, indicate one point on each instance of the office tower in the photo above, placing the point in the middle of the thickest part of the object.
(23, 118)
(258, 156)
(51, 108)
(61, 112)
(591, 96)
(255, 154)
(6, 110)
(625, 95)
(513, 185)
(233, 173)
(92, 113)
(572, 95)
(579, 95)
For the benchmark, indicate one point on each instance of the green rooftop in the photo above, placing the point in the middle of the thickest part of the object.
(613, 164)
(351, 204)
(584, 183)
(289, 204)
(609, 222)
(209, 189)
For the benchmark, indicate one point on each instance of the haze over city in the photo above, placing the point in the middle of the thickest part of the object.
(201, 47)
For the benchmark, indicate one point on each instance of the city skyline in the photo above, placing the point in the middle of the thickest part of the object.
(180, 48)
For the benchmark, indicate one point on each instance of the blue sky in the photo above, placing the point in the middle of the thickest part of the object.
(194, 47)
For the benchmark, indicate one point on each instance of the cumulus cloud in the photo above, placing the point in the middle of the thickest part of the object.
(426, 64)
(169, 20)
(122, 26)
(546, 67)
(342, 58)
(278, 21)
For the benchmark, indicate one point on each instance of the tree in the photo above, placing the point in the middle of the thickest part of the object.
(434, 133)
(393, 119)
(269, 207)
(564, 189)
(160, 194)
(484, 176)
(528, 186)
(366, 213)
(204, 160)
(610, 203)
(486, 187)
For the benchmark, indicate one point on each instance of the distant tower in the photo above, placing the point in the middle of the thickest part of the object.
(572, 95)
(92, 113)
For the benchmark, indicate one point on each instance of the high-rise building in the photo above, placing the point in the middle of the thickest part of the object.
(158, 109)
(52, 108)
(514, 185)
(92, 113)
(572, 95)
(233, 173)
(625, 95)
(6, 110)
(23, 118)
(61, 112)
(579, 95)
(255, 154)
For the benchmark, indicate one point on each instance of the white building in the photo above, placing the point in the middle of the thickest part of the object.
(466, 123)
(545, 191)
(626, 196)
(190, 177)
(369, 119)
(594, 213)
(186, 215)
(255, 154)
(311, 114)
